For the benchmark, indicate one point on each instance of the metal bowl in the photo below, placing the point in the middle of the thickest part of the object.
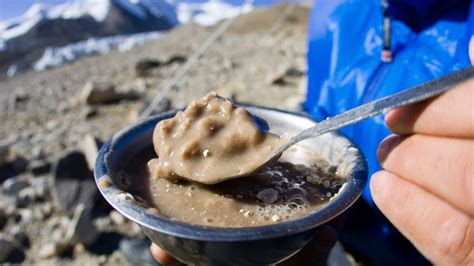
(195, 244)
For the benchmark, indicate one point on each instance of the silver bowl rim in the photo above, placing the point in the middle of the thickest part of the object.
(126, 204)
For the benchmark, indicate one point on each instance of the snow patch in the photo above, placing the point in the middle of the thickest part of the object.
(15, 27)
(97, 9)
(57, 56)
(209, 13)
(12, 70)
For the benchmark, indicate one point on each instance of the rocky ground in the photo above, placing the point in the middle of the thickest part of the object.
(50, 211)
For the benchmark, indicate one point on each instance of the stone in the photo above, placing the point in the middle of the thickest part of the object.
(25, 197)
(89, 112)
(81, 229)
(10, 251)
(276, 78)
(12, 186)
(13, 167)
(5, 151)
(79, 250)
(47, 209)
(117, 218)
(7, 204)
(73, 183)
(53, 249)
(3, 218)
(281, 75)
(23, 216)
(39, 167)
(41, 189)
(19, 164)
(104, 93)
(293, 71)
(90, 146)
(37, 152)
(175, 58)
(20, 236)
(145, 67)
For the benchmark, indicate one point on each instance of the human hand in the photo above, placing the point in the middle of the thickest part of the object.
(427, 187)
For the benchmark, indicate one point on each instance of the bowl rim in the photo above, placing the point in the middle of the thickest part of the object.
(126, 204)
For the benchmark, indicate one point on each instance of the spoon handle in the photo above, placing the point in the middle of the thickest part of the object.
(383, 105)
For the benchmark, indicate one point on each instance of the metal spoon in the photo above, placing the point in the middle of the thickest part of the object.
(382, 105)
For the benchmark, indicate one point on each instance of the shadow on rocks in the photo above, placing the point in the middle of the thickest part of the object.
(105, 244)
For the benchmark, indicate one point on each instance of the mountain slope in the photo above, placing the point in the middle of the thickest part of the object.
(23, 39)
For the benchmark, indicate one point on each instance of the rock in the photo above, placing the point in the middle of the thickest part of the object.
(3, 218)
(145, 67)
(89, 112)
(293, 71)
(53, 249)
(18, 164)
(14, 166)
(37, 152)
(117, 218)
(7, 204)
(10, 250)
(175, 58)
(47, 209)
(81, 229)
(73, 183)
(39, 167)
(103, 93)
(23, 216)
(280, 76)
(25, 197)
(103, 223)
(90, 146)
(20, 236)
(137, 251)
(276, 78)
(41, 187)
(5, 151)
(79, 250)
(12, 186)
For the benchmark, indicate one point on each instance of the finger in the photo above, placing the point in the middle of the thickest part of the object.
(442, 166)
(439, 231)
(161, 256)
(450, 114)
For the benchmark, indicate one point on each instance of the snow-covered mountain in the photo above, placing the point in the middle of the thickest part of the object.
(43, 29)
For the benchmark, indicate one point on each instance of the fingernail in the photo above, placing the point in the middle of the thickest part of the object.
(386, 146)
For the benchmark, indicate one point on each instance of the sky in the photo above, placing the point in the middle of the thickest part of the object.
(14, 8)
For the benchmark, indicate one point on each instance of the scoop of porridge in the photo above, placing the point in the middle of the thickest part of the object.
(210, 141)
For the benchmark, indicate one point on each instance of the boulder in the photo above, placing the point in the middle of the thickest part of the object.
(39, 167)
(12, 186)
(104, 93)
(10, 250)
(90, 146)
(73, 183)
(81, 229)
(145, 67)
(5, 151)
